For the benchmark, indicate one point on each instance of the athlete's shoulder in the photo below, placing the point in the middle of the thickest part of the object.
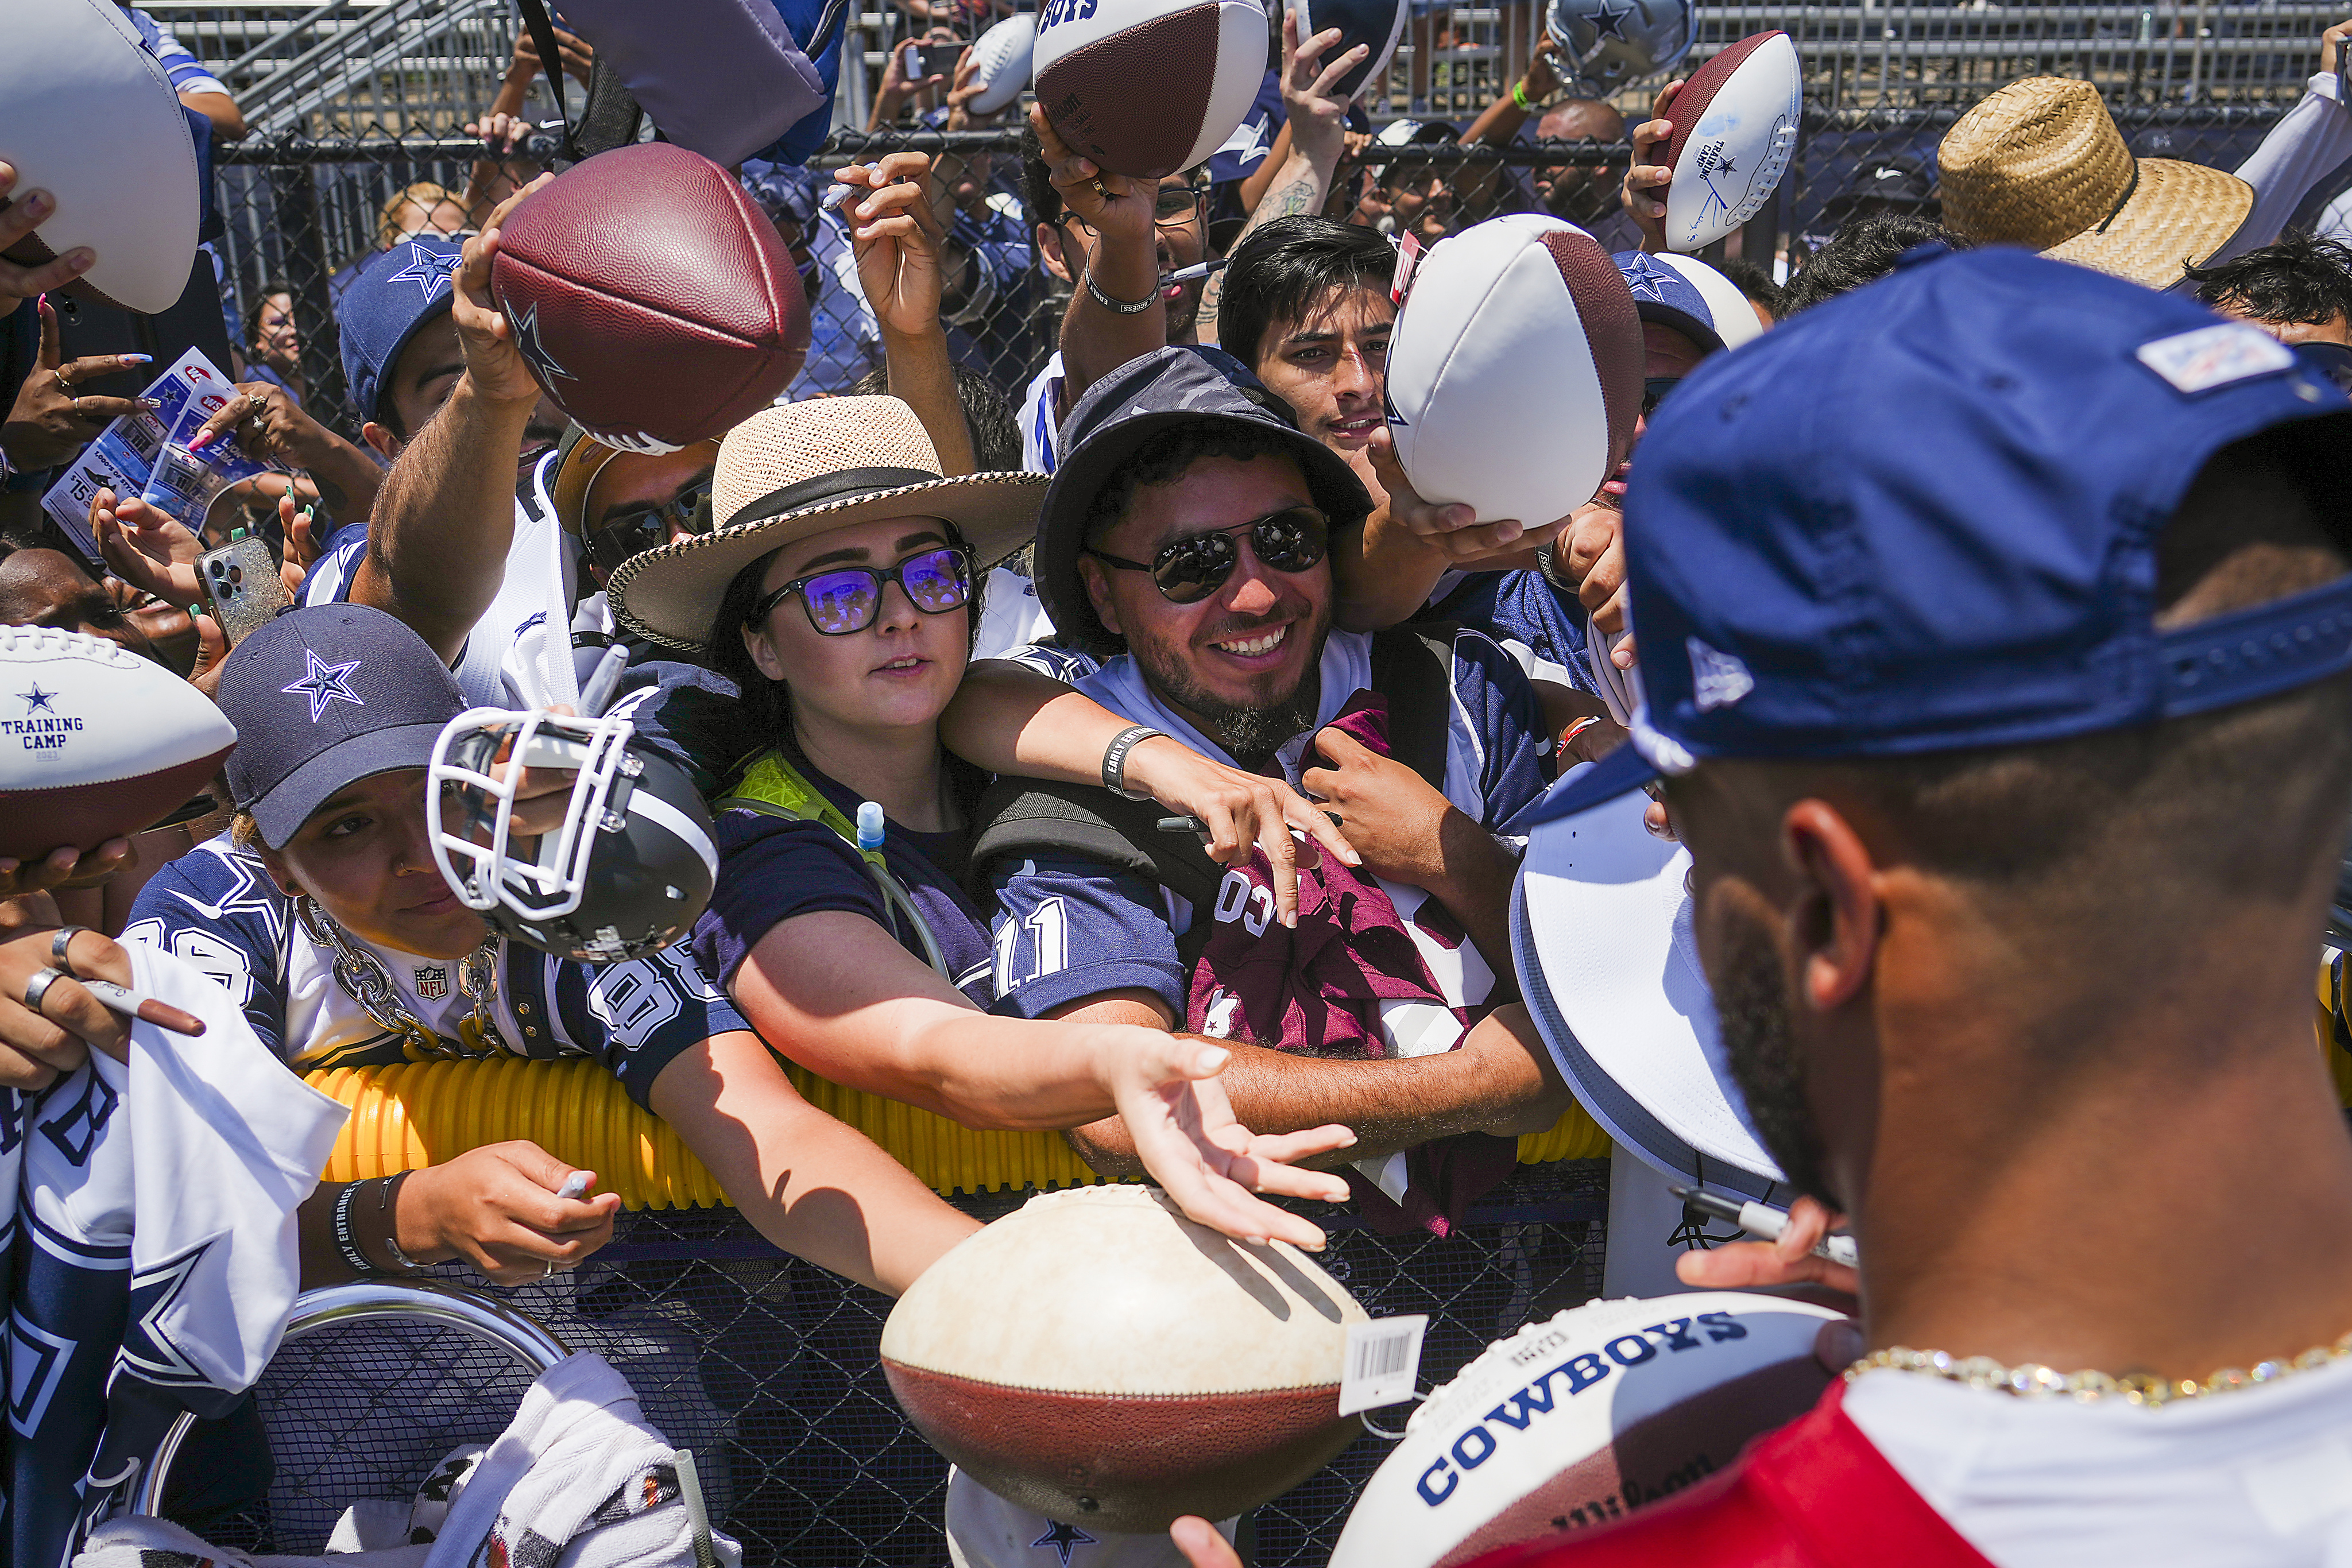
(218, 885)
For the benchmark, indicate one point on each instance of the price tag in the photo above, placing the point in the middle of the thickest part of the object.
(1383, 1363)
(1408, 257)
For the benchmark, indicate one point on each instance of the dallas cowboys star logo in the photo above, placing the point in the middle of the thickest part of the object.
(325, 683)
(1609, 21)
(1728, 167)
(1647, 281)
(526, 339)
(1064, 1539)
(428, 269)
(36, 700)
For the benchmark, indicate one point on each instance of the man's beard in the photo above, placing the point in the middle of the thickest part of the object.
(1751, 999)
(1251, 732)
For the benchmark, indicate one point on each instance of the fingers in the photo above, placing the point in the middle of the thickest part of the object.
(1310, 819)
(52, 343)
(65, 866)
(69, 1005)
(1282, 867)
(211, 655)
(1341, 747)
(1327, 84)
(1202, 1547)
(227, 418)
(22, 217)
(1306, 1144)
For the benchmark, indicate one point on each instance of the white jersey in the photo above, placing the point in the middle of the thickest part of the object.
(2263, 1476)
(1041, 418)
(217, 908)
(2312, 141)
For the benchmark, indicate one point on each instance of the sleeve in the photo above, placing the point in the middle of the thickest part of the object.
(218, 912)
(182, 67)
(638, 1016)
(1069, 929)
(690, 715)
(1245, 150)
(2312, 140)
(1067, 666)
(329, 581)
(1498, 722)
(771, 870)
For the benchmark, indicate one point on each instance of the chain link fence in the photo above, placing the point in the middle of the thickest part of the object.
(768, 1369)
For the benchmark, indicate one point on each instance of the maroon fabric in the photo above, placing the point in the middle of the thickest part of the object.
(1814, 1494)
(1318, 989)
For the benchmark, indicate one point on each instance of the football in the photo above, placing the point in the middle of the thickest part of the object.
(87, 115)
(1735, 129)
(1203, 60)
(1514, 370)
(1099, 1358)
(1378, 23)
(1582, 1419)
(1003, 55)
(95, 743)
(651, 298)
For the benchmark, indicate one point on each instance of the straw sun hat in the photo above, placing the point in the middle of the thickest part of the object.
(787, 472)
(2039, 163)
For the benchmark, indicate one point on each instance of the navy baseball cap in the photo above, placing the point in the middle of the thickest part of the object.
(1165, 388)
(393, 294)
(1924, 516)
(323, 697)
(1685, 293)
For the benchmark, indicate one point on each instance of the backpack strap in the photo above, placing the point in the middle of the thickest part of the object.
(1022, 819)
(773, 788)
(1412, 666)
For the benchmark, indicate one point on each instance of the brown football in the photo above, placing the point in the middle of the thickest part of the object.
(1099, 1358)
(652, 298)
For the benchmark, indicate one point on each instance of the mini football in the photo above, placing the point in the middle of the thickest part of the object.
(95, 743)
(1514, 370)
(1376, 23)
(1201, 61)
(1102, 1360)
(1582, 1419)
(651, 298)
(87, 115)
(1000, 61)
(1735, 129)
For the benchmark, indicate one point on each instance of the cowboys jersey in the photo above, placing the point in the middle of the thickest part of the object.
(217, 908)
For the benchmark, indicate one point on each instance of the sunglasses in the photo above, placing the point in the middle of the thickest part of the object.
(1192, 568)
(636, 532)
(1173, 208)
(846, 599)
(1654, 391)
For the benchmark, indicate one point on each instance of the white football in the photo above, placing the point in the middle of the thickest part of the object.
(1734, 131)
(1099, 1358)
(89, 115)
(95, 743)
(1146, 88)
(1514, 370)
(1001, 60)
(1579, 1420)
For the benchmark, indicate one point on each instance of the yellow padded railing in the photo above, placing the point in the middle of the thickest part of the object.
(421, 1112)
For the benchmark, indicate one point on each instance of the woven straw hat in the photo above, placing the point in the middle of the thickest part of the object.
(2039, 163)
(789, 472)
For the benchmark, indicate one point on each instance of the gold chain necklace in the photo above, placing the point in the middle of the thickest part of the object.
(2031, 1380)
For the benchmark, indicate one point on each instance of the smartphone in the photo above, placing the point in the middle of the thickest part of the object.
(938, 59)
(241, 580)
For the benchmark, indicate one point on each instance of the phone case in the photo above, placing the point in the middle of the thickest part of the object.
(242, 581)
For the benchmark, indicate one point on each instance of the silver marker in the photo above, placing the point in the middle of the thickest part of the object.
(1192, 274)
(1762, 1219)
(575, 1185)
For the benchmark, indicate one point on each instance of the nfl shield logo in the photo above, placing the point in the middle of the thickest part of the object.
(433, 983)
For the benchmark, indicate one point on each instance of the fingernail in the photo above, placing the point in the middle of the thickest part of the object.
(80, 260)
(1506, 532)
(38, 202)
(138, 359)
(1211, 1061)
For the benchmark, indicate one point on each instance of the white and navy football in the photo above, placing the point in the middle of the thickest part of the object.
(1514, 370)
(1146, 88)
(1001, 61)
(1378, 23)
(1582, 1419)
(95, 743)
(87, 115)
(1734, 131)
(1101, 1359)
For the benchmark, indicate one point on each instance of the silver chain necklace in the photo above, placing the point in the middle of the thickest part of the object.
(365, 980)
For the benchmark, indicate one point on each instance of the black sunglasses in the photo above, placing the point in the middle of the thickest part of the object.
(636, 532)
(841, 600)
(1192, 568)
(1653, 392)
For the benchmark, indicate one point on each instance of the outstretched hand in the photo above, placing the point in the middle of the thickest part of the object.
(1239, 811)
(493, 363)
(1790, 1260)
(1452, 528)
(1166, 1089)
(24, 213)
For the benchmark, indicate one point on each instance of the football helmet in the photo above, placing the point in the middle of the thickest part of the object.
(627, 872)
(1605, 45)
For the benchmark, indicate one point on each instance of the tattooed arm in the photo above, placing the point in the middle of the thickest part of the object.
(1318, 130)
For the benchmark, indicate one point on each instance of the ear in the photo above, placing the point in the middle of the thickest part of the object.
(763, 648)
(386, 444)
(1049, 251)
(1835, 914)
(1098, 581)
(274, 862)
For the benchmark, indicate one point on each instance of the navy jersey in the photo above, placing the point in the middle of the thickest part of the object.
(1541, 625)
(217, 908)
(1068, 929)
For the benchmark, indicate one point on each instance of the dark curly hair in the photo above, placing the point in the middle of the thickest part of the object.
(1864, 250)
(2300, 280)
